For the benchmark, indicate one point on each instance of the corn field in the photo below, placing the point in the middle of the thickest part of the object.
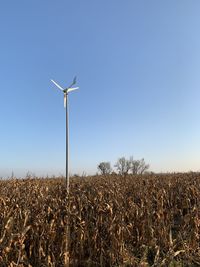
(148, 220)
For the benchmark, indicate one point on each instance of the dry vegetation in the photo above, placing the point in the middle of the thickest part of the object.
(149, 220)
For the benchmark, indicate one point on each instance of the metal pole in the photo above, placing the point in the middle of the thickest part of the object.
(67, 262)
(67, 145)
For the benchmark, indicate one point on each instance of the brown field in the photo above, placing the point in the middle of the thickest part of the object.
(149, 220)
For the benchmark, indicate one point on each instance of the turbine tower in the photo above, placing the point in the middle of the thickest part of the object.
(70, 88)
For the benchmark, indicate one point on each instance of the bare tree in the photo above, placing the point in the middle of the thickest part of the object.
(143, 166)
(104, 168)
(123, 166)
(138, 166)
(135, 165)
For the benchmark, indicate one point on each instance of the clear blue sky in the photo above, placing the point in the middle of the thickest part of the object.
(138, 68)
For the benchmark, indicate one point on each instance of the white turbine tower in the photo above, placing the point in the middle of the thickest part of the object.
(70, 88)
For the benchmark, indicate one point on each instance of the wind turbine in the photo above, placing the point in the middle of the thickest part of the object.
(70, 88)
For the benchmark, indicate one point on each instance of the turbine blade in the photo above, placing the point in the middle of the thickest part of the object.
(65, 100)
(74, 81)
(57, 85)
(72, 89)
